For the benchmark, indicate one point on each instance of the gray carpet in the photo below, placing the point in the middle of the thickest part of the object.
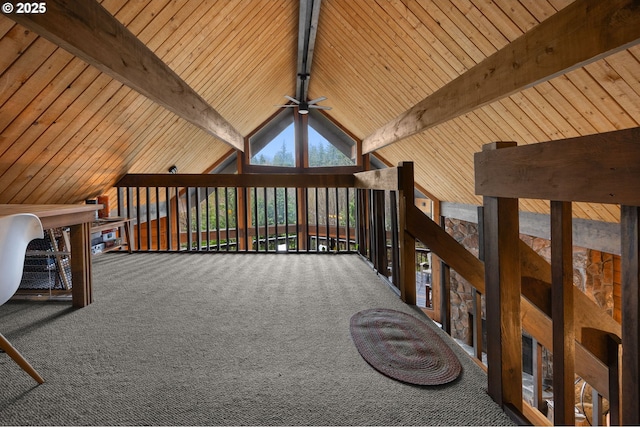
(233, 339)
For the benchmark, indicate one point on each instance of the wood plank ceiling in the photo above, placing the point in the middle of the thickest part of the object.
(69, 132)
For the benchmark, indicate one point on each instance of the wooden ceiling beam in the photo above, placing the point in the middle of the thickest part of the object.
(90, 32)
(307, 30)
(583, 32)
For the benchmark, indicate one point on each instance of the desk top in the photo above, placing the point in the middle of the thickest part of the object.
(53, 216)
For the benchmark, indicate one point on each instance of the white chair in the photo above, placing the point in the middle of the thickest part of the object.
(16, 231)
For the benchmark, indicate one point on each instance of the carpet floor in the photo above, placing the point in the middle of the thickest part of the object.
(220, 339)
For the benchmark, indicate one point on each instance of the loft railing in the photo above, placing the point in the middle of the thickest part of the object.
(272, 213)
(240, 218)
(584, 340)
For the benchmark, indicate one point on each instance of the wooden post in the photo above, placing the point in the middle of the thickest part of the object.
(241, 214)
(436, 284)
(407, 241)
(562, 314)
(502, 294)
(630, 258)
(361, 222)
(478, 333)
(302, 219)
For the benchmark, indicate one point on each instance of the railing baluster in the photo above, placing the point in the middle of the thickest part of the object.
(130, 214)
(266, 221)
(235, 218)
(226, 216)
(245, 201)
(255, 217)
(217, 201)
(275, 214)
(286, 219)
(317, 221)
(207, 220)
(177, 223)
(326, 219)
(189, 231)
(148, 212)
(158, 218)
(169, 216)
(297, 222)
(339, 231)
(198, 220)
(138, 218)
(307, 235)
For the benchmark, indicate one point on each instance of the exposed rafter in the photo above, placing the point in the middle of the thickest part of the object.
(583, 32)
(85, 29)
(307, 28)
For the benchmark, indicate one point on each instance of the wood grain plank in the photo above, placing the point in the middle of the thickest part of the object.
(38, 114)
(13, 43)
(124, 119)
(83, 27)
(22, 82)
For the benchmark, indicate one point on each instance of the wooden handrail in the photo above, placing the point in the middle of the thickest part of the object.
(535, 320)
(600, 168)
(281, 180)
(381, 179)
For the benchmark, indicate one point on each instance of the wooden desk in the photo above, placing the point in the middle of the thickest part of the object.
(79, 219)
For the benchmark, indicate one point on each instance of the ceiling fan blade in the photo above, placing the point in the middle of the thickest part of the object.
(315, 101)
(320, 107)
(292, 99)
(285, 105)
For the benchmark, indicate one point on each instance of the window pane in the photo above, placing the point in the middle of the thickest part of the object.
(324, 153)
(279, 151)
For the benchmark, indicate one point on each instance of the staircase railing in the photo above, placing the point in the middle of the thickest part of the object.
(524, 291)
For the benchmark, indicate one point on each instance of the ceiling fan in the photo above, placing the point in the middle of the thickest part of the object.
(304, 106)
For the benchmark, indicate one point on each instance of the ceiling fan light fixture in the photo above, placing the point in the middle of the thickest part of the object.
(303, 108)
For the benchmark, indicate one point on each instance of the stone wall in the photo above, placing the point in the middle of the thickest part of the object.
(593, 273)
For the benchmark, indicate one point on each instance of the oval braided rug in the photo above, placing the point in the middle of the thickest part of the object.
(403, 347)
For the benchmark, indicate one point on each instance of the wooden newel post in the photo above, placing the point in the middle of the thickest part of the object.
(562, 314)
(630, 384)
(502, 298)
(407, 241)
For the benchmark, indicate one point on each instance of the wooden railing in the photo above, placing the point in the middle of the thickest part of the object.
(523, 291)
(272, 213)
(382, 223)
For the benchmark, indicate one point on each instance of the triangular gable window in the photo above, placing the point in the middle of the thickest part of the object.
(276, 145)
(323, 153)
(279, 151)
